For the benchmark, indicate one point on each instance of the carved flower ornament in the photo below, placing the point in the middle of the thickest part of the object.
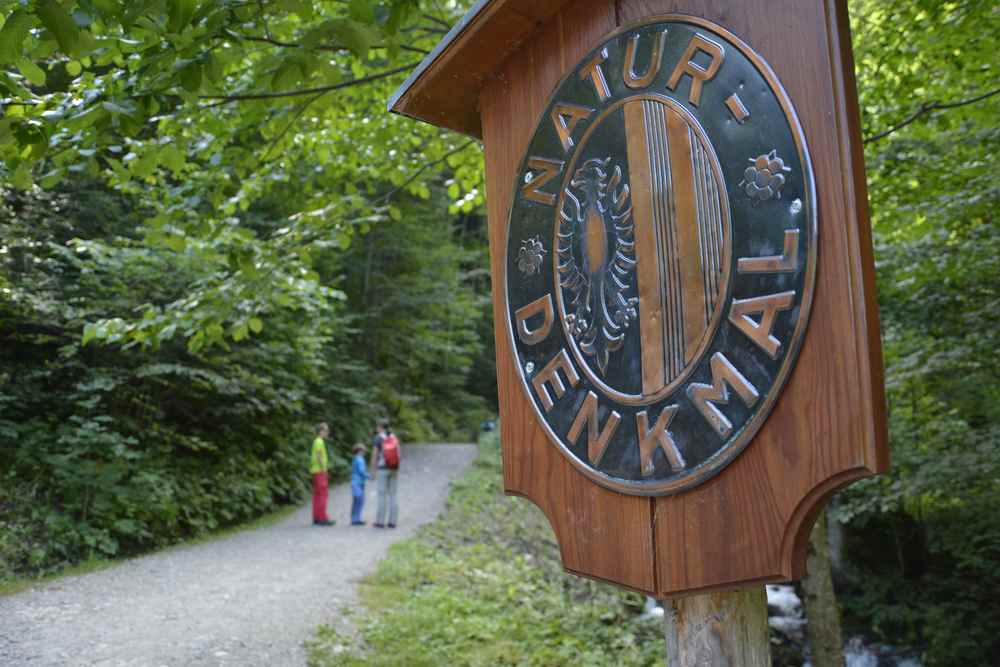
(529, 257)
(764, 179)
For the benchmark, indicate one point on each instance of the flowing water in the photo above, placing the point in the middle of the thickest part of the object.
(786, 615)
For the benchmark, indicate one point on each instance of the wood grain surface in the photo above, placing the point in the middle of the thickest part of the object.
(601, 534)
(750, 523)
(721, 628)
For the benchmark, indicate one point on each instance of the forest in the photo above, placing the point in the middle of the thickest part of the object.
(213, 236)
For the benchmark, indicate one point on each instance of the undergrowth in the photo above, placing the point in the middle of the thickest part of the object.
(483, 585)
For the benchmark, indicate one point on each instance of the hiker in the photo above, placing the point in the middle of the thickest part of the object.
(385, 460)
(359, 475)
(318, 467)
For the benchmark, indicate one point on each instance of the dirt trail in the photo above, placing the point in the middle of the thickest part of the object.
(247, 599)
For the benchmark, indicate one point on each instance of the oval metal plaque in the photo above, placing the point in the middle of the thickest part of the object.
(660, 255)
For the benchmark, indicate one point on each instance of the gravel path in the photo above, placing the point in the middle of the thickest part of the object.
(247, 599)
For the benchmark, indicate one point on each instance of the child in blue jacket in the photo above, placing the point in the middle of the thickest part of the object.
(359, 475)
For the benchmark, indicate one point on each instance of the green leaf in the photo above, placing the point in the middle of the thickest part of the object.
(12, 35)
(31, 71)
(352, 35)
(331, 74)
(191, 77)
(180, 14)
(255, 325)
(59, 22)
(21, 179)
(52, 178)
(302, 8)
(73, 67)
(175, 242)
(362, 10)
(145, 165)
(214, 68)
(286, 76)
(125, 108)
(127, 526)
(397, 15)
(108, 8)
(173, 159)
(89, 332)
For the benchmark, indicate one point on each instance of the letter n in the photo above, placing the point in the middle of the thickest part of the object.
(548, 169)
(596, 444)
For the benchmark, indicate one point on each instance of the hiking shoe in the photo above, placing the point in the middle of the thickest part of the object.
(359, 523)
(378, 525)
(391, 525)
(324, 523)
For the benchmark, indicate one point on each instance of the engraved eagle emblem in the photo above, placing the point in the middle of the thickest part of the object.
(595, 247)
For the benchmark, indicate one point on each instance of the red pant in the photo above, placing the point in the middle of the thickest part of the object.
(320, 494)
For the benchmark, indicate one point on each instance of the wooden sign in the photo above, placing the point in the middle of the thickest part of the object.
(687, 338)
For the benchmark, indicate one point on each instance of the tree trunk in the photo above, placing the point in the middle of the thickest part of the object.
(718, 629)
(822, 610)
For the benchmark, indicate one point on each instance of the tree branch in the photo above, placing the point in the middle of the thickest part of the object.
(294, 45)
(426, 28)
(387, 196)
(927, 108)
(25, 328)
(295, 117)
(435, 19)
(226, 99)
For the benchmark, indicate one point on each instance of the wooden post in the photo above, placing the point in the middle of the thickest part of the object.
(720, 629)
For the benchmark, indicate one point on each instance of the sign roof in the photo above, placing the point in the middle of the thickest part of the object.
(444, 88)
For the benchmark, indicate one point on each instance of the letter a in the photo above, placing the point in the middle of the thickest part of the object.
(564, 118)
(769, 306)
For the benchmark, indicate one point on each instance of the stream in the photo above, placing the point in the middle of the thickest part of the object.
(786, 616)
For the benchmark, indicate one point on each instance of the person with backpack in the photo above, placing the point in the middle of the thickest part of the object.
(385, 460)
(318, 467)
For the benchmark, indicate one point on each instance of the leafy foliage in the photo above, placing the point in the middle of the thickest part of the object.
(113, 447)
(214, 237)
(202, 111)
(926, 538)
(483, 585)
(110, 450)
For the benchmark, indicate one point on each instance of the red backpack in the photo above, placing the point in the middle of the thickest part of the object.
(390, 451)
